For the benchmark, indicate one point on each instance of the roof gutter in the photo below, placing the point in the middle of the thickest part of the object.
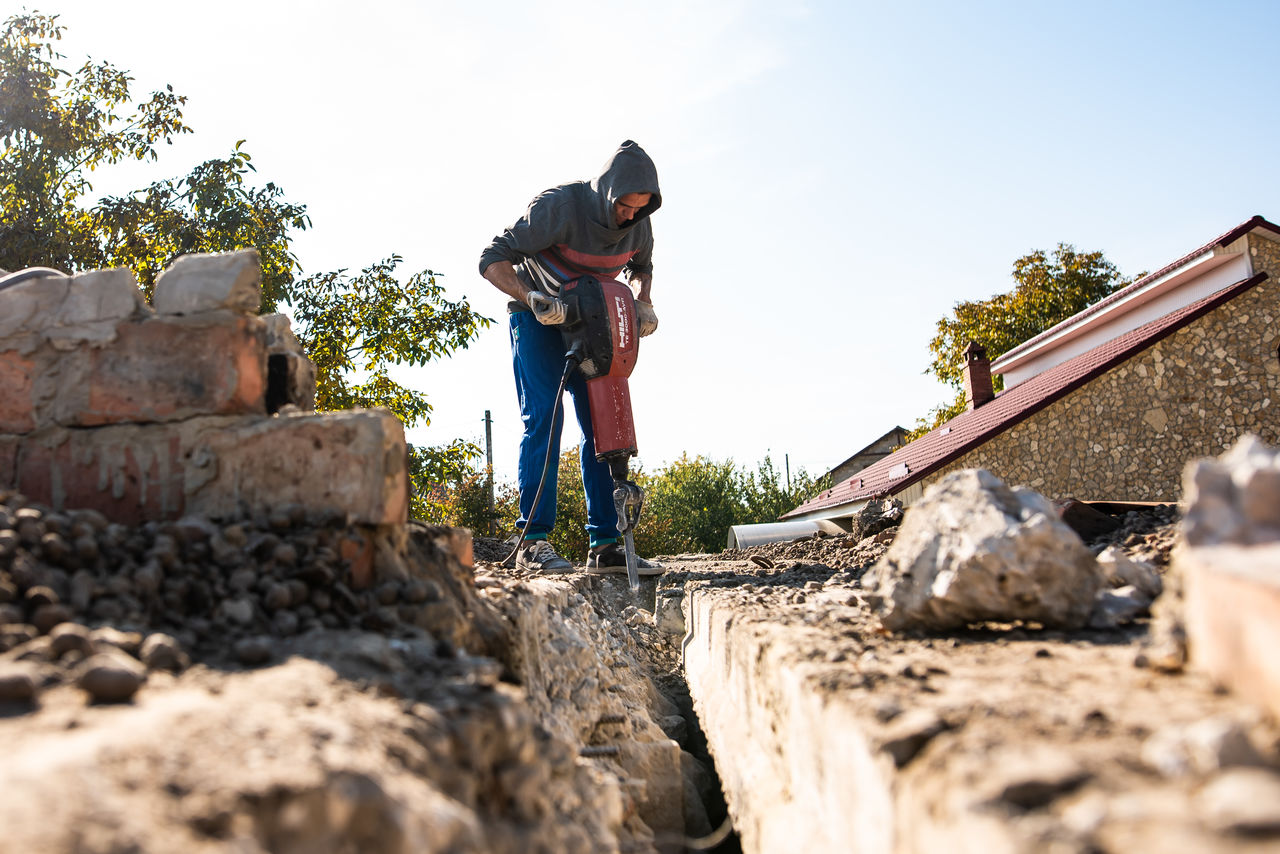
(1145, 289)
(836, 511)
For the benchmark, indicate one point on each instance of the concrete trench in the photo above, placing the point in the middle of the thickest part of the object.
(828, 734)
(592, 668)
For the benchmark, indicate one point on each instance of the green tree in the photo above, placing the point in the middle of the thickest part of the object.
(441, 481)
(570, 533)
(766, 495)
(701, 499)
(467, 505)
(58, 126)
(212, 209)
(360, 326)
(1048, 288)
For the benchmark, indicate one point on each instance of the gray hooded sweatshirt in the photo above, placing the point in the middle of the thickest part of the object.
(570, 230)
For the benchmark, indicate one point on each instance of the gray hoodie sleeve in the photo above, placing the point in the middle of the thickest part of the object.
(544, 224)
(642, 261)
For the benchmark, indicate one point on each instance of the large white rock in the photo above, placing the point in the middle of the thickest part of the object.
(196, 283)
(95, 304)
(973, 550)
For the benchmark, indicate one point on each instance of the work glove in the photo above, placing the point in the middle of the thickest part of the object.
(646, 318)
(548, 310)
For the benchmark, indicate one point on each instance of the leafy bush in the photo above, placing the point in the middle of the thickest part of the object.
(689, 505)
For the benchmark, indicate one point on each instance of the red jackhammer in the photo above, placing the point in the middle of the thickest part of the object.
(601, 335)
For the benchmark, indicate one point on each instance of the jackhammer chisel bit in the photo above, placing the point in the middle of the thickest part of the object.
(628, 499)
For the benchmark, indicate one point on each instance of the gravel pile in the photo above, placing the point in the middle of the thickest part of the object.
(101, 603)
(490, 549)
(847, 553)
(1147, 534)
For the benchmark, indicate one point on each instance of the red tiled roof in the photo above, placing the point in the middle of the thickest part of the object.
(1224, 239)
(968, 430)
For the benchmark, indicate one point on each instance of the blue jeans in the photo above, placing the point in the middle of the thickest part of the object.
(537, 355)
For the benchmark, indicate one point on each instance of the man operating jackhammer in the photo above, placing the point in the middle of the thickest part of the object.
(599, 228)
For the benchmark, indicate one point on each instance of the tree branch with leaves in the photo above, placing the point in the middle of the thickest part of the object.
(1048, 288)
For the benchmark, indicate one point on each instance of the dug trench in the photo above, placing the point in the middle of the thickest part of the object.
(830, 733)
(188, 686)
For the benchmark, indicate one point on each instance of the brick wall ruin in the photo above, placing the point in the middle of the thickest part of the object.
(1127, 434)
(194, 407)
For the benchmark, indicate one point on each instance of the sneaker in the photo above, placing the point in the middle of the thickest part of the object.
(540, 556)
(612, 559)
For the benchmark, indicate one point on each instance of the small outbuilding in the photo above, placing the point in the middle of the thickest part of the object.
(1110, 404)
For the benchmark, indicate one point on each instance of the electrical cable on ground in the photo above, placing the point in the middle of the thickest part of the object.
(571, 360)
(702, 843)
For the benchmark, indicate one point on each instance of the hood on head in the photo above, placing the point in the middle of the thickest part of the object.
(629, 170)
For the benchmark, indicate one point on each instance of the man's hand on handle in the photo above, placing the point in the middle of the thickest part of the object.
(548, 310)
(646, 318)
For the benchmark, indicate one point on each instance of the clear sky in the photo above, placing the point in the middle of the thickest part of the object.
(835, 175)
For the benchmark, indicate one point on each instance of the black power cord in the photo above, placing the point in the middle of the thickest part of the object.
(571, 361)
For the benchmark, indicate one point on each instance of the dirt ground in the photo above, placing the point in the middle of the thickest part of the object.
(451, 709)
(388, 721)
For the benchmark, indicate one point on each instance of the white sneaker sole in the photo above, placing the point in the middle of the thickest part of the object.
(655, 569)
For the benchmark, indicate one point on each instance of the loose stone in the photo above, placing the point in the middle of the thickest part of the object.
(70, 637)
(16, 686)
(111, 677)
(252, 651)
(162, 652)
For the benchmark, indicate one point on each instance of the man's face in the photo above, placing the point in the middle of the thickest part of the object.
(626, 207)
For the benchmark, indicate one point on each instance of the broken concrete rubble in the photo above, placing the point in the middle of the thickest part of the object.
(409, 705)
(973, 550)
(385, 685)
(1121, 570)
(1230, 570)
(1235, 499)
(878, 515)
(1001, 739)
(173, 532)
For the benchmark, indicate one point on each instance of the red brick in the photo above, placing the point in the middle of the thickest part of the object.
(351, 463)
(17, 375)
(357, 550)
(8, 462)
(348, 464)
(463, 546)
(1233, 618)
(130, 474)
(169, 368)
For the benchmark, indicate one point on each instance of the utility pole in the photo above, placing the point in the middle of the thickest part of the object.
(488, 453)
(787, 458)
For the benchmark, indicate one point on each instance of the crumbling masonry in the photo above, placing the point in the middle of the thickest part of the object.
(194, 407)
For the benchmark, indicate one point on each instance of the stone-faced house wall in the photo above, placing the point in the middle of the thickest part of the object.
(1126, 435)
